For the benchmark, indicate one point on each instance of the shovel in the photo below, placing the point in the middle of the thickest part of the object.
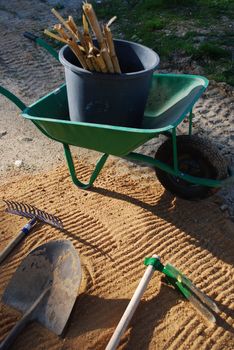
(44, 288)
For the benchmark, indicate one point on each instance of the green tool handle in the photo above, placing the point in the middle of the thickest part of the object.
(20, 325)
(11, 245)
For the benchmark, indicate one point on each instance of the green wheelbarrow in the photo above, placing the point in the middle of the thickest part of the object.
(186, 165)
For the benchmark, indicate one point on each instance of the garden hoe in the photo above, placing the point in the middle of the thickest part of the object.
(174, 277)
(44, 288)
(28, 211)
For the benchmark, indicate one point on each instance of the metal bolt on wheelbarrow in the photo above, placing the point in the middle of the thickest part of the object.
(188, 166)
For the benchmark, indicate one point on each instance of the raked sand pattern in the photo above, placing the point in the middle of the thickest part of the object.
(30, 72)
(113, 227)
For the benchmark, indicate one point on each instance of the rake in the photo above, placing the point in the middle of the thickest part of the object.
(28, 211)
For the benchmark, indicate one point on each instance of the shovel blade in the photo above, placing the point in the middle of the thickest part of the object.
(55, 263)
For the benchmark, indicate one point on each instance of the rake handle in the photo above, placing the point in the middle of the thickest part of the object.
(11, 245)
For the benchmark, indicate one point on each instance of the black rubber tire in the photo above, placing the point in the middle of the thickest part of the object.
(197, 157)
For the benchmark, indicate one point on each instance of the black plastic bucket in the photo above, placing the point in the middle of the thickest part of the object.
(115, 99)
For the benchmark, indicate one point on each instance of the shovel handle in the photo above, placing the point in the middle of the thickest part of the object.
(6, 251)
(19, 326)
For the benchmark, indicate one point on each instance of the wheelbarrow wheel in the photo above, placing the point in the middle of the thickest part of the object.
(196, 157)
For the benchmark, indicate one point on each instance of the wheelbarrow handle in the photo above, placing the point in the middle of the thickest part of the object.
(11, 245)
(30, 36)
(12, 98)
(41, 43)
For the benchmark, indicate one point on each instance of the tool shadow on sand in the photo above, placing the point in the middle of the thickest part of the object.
(101, 313)
(94, 247)
(73, 235)
(92, 312)
(220, 321)
(192, 217)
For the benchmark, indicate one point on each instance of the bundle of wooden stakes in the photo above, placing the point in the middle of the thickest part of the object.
(100, 59)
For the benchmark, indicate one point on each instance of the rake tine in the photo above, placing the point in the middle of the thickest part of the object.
(36, 210)
(24, 208)
(31, 209)
(58, 219)
(49, 216)
(46, 215)
(12, 205)
(6, 202)
(40, 213)
(52, 218)
(28, 210)
(25, 211)
(16, 205)
(59, 223)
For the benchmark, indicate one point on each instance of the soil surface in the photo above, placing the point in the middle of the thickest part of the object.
(113, 227)
(125, 217)
(30, 72)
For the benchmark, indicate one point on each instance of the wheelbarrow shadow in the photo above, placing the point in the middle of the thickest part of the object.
(174, 210)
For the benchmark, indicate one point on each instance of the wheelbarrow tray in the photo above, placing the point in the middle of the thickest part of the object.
(171, 98)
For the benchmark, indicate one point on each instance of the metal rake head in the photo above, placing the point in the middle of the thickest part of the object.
(29, 211)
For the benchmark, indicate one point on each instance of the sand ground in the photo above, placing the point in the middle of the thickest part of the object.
(126, 216)
(113, 227)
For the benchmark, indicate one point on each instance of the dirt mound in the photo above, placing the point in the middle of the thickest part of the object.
(113, 227)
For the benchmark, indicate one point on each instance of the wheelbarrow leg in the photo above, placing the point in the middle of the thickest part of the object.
(72, 170)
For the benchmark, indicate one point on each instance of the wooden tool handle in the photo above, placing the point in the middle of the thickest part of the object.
(16, 239)
(131, 308)
(28, 316)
